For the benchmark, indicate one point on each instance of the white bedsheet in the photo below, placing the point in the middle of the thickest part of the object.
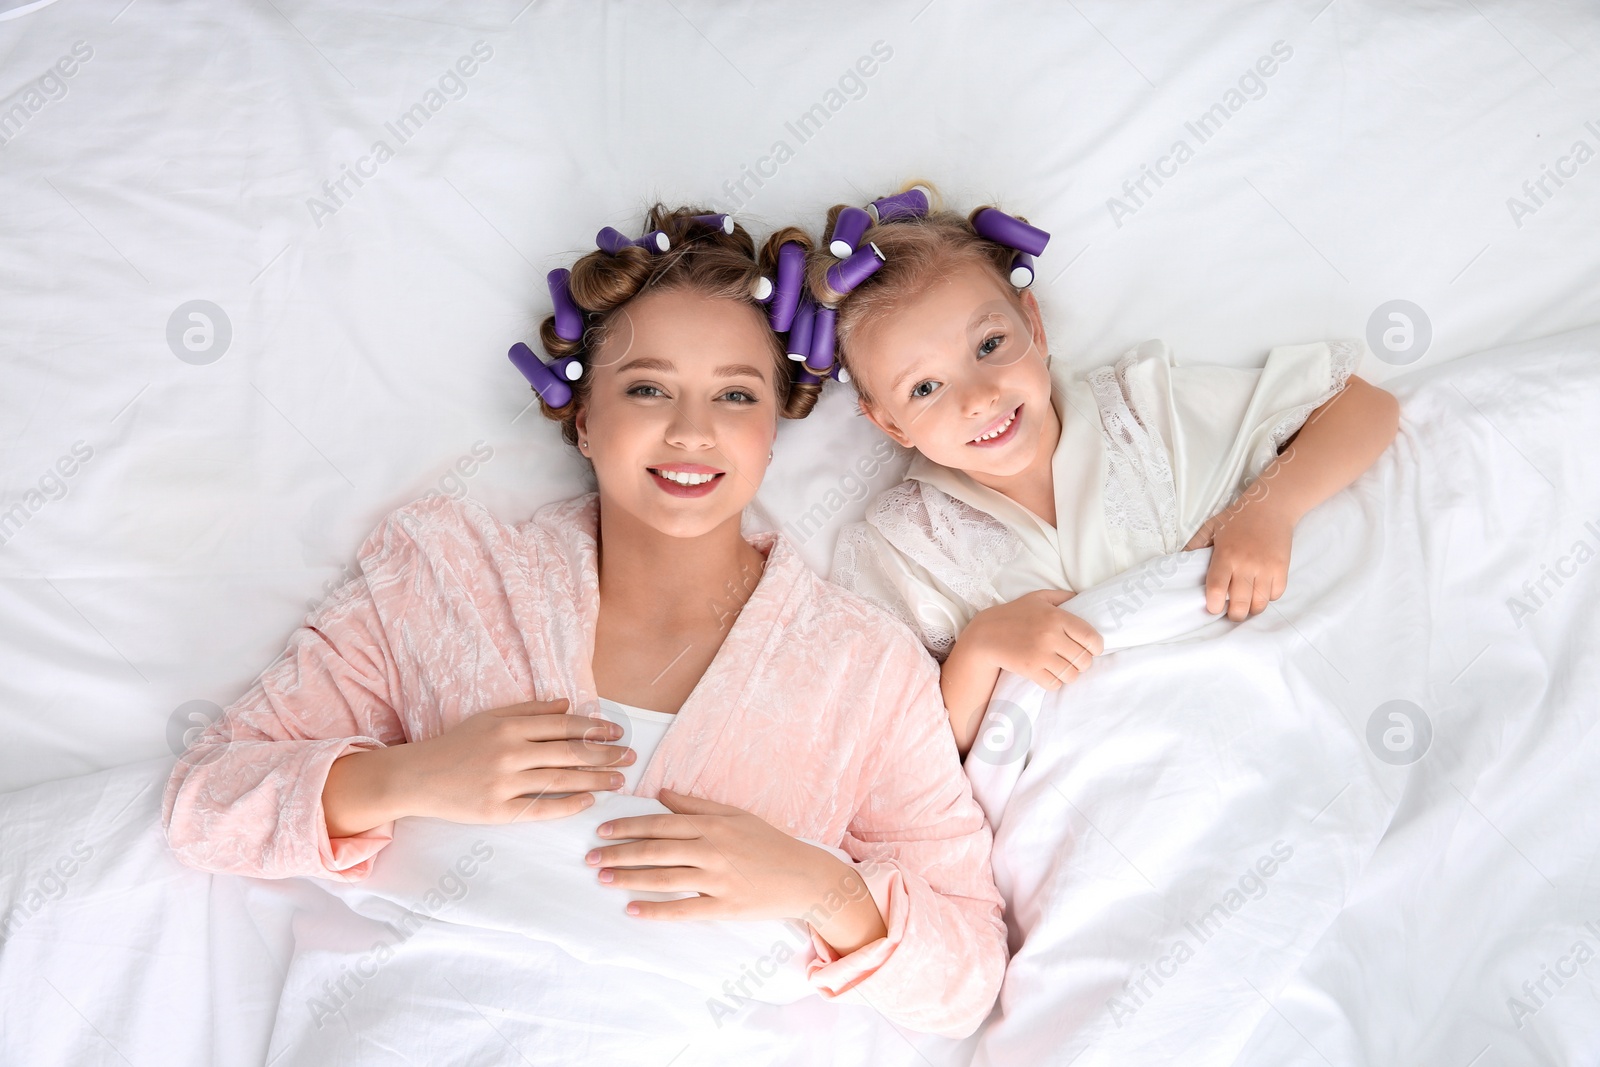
(179, 515)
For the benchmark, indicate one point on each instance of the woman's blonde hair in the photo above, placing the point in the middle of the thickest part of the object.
(918, 251)
(702, 259)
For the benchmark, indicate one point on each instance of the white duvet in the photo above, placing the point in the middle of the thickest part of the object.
(1348, 830)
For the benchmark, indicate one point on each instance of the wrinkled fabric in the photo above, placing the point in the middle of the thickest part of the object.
(819, 713)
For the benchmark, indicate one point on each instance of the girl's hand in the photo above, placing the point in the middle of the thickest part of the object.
(1249, 557)
(742, 866)
(1033, 637)
(499, 766)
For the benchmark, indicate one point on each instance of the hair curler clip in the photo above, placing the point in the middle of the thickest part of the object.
(845, 275)
(1001, 228)
(786, 291)
(761, 291)
(551, 389)
(839, 374)
(569, 320)
(1021, 270)
(715, 222)
(913, 203)
(613, 241)
(820, 359)
(848, 229)
(800, 332)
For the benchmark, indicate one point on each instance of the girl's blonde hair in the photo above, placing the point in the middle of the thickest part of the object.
(701, 259)
(918, 252)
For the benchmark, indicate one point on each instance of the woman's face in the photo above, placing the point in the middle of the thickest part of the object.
(958, 373)
(682, 410)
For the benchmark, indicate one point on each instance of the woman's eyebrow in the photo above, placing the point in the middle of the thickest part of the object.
(647, 363)
(731, 370)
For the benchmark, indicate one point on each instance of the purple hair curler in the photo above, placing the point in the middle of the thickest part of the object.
(551, 389)
(568, 367)
(786, 294)
(1001, 228)
(761, 291)
(715, 222)
(613, 241)
(1022, 270)
(800, 331)
(913, 203)
(848, 229)
(569, 319)
(839, 374)
(820, 361)
(845, 275)
(805, 377)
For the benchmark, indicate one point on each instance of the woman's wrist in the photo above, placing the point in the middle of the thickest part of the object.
(360, 792)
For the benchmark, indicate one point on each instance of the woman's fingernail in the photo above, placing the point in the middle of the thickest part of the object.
(606, 876)
(604, 829)
(628, 757)
(588, 798)
(593, 857)
(616, 781)
(633, 909)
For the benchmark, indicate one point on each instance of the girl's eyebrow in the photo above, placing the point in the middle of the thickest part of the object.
(903, 375)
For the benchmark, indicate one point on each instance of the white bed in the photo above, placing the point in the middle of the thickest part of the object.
(168, 512)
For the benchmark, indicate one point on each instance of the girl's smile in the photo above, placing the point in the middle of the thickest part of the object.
(1001, 432)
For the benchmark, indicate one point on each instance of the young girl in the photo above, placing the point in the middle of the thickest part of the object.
(462, 674)
(1030, 484)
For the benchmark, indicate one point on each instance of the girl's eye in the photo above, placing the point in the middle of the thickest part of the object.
(644, 390)
(740, 396)
(989, 344)
(922, 389)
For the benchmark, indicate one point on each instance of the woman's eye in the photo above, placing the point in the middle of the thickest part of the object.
(922, 389)
(990, 344)
(740, 396)
(645, 390)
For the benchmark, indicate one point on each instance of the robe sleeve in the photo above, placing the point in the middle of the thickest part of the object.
(1222, 426)
(922, 846)
(246, 796)
(867, 564)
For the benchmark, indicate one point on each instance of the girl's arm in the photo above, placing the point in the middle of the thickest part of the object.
(1251, 537)
(1030, 636)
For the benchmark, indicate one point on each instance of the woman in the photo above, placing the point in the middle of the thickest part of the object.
(448, 680)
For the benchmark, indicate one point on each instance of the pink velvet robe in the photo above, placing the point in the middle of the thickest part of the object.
(820, 714)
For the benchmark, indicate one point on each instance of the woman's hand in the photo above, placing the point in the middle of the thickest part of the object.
(497, 766)
(1249, 556)
(1033, 637)
(743, 868)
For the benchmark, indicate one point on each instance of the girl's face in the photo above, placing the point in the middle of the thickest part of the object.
(682, 410)
(959, 374)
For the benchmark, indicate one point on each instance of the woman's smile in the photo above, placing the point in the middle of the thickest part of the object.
(685, 479)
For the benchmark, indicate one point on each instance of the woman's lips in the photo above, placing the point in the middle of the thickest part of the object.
(1007, 425)
(685, 479)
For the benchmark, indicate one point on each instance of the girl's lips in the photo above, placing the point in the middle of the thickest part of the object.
(675, 488)
(1010, 422)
